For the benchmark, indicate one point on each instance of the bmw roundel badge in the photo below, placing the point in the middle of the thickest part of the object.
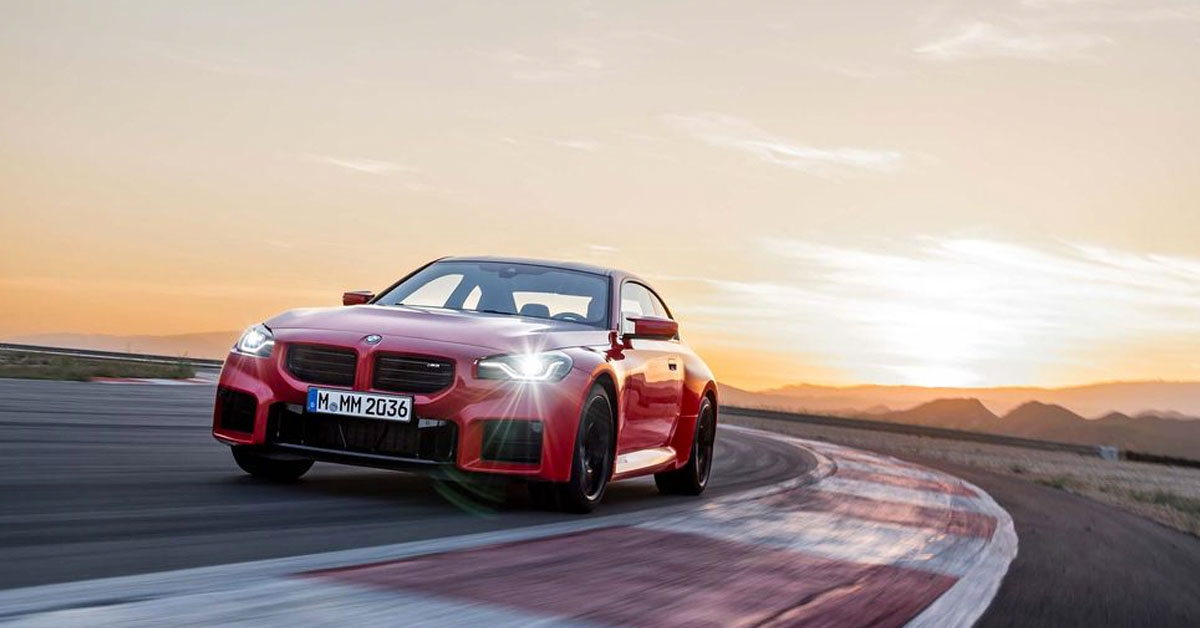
(372, 339)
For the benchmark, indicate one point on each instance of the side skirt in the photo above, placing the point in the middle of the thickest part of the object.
(644, 461)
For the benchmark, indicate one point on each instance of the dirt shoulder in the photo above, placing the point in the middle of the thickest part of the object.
(29, 365)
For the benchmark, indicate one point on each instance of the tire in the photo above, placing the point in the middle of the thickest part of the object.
(692, 478)
(267, 468)
(591, 462)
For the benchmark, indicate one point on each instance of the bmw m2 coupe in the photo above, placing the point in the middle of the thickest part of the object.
(564, 375)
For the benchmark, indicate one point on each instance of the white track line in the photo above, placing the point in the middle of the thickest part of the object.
(966, 601)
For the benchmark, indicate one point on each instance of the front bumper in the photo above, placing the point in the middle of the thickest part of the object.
(474, 425)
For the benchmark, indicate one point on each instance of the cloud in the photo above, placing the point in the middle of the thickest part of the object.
(106, 288)
(580, 57)
(208, 60)
(577, 144)
(965, 311)
(407, 177)
(981, 40)
(369, 166)
(1111, 11)
(529, 68)
(832, 162)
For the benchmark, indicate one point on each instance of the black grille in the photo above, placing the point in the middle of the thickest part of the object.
(236, 410)
(412, 374)
(322, 365)
(423, 439)
(512, 441)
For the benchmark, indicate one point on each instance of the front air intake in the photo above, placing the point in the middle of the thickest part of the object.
(512, 441)
(317, 364)
(412, 374)
(236, 410)
(431, 440)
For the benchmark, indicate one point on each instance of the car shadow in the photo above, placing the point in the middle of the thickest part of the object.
(476, 495)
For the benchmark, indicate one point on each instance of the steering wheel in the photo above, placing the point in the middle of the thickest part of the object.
(570, 317)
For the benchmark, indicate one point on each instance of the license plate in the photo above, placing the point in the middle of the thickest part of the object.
(366, 405)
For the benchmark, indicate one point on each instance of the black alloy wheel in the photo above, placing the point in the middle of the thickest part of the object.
(592, 462)
(692, 478)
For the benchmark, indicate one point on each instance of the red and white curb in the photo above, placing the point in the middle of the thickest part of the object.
(861, 539)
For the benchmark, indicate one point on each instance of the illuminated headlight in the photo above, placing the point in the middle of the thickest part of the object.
(550, 366)
(256, 341)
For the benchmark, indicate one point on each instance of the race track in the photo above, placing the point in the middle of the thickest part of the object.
(104, 480)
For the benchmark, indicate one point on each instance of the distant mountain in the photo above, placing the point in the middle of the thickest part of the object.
(203, 345)
(1176, 400)
(957, 414)
(1170, 437)
(1163, 414)
(734, 396)
(1043, 421)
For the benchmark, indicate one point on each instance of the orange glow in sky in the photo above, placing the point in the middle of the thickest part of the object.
(974, 194)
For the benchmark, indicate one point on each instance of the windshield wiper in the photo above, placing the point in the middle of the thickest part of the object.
(492, 312)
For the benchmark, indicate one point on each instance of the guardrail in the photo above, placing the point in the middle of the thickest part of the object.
(202, 363)
(1138, 456)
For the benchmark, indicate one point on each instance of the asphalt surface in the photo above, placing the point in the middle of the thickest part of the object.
(1080, 562)
(1083, 563)
(102, 480)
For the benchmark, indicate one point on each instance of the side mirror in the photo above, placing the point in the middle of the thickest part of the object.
(653, 328)
(357, 297)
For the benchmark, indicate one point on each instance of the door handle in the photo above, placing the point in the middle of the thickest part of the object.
(673, 365)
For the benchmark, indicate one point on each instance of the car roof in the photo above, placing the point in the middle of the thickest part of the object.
(586, 268)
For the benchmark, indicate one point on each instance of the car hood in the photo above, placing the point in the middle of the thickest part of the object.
(495, 332)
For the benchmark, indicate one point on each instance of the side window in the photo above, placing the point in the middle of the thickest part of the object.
(636, 301)
(660, 309)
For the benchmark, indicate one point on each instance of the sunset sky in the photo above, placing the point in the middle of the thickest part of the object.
(968, 193)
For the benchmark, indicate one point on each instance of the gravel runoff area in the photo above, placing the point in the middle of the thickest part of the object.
(1169, 495)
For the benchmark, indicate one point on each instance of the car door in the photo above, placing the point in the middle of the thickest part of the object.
(653, 389)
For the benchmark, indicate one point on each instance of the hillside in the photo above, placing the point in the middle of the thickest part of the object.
(1044, 421)
(1175, 400)
(1166, 434)
(956, 414)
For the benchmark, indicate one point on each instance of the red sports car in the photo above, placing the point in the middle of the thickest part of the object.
(565, 375)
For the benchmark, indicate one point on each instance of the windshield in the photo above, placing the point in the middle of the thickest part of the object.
(513, 289)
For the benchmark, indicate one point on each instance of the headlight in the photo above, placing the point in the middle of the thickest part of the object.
(550, 366)
(256, 341)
